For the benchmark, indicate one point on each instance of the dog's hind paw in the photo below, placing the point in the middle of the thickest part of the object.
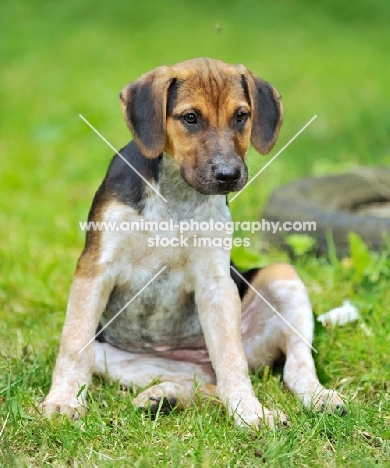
(158, 398)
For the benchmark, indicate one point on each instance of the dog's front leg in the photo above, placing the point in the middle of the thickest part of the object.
(73, 369)
(219, 309)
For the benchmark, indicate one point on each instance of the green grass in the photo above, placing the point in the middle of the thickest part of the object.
(61, 59)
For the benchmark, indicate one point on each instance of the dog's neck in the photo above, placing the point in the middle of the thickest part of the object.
(183, 201)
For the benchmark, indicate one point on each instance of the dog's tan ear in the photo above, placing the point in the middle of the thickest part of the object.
(144, 103)
(267, 111)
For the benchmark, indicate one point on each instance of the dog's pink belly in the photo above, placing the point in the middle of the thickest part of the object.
(184, 354)
(195, 352)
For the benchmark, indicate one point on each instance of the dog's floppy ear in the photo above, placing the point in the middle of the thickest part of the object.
(267, 112)
(144, 103)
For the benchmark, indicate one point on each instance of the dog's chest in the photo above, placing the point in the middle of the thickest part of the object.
(164, 313)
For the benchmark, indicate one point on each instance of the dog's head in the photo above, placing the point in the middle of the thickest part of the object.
(203, 113)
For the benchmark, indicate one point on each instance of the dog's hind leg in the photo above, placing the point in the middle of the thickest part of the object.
(178, 380)
(285, 328)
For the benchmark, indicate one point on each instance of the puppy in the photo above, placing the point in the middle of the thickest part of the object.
(181, 315)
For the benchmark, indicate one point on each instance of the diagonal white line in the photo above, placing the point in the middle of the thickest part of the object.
(124, 159)
(273, 159)
(273, 308)
(5, 422)
(123, 308)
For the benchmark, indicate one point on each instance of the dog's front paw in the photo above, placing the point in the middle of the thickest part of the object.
(275, 419)
(250, 412)
(160, 398)
(328, 400)
(74, 410)
(70, 401)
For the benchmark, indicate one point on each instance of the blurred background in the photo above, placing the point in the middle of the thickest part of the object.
(62, 59)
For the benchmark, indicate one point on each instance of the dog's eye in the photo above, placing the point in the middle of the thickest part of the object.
(241, 116)
(190, 118)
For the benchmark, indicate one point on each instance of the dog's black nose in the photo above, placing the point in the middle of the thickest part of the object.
(227, 174)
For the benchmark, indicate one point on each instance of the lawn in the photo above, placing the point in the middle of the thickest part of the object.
(62, 59)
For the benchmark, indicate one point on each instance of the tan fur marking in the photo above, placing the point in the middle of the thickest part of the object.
(218, 102)
(268, 275)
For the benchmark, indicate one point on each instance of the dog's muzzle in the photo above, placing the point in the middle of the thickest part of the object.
(218, 176)
(228, 174)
